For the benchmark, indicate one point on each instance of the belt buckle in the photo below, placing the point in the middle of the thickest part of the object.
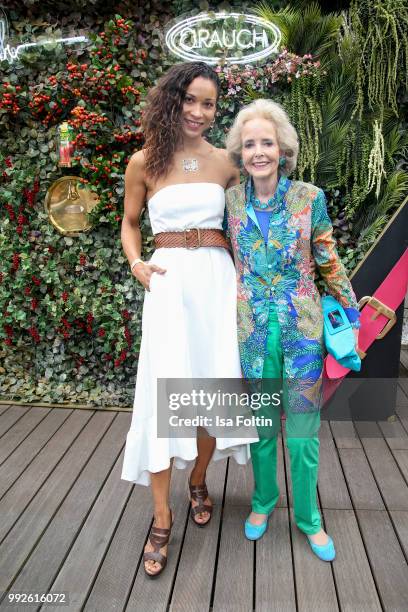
(196, 229)
(380, 308)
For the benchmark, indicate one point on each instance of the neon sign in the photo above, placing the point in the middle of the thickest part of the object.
(236, 38)
(11, 54)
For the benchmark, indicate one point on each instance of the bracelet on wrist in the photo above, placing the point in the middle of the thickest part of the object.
(134, 262)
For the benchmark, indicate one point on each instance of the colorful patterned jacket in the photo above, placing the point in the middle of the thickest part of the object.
(284, 271)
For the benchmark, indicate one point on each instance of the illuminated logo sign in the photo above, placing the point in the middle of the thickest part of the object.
(232, 37)
(10, 53)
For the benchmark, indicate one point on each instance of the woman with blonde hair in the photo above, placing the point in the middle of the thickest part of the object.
(280, 230)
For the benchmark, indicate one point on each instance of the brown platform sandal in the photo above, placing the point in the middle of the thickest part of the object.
(158, 538)
(199, 493)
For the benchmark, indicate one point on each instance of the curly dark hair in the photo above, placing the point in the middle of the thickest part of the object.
(162, 116)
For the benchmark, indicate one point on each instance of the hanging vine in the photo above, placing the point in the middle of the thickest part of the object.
(381, 27)
(358, 147)
(376, 160)
(305, 112)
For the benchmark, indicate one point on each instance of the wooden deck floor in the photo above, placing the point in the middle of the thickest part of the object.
(69, 523)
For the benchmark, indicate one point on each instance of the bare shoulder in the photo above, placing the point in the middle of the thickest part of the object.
(135, 175)
(137, 161)
(231, 171)
(223, 154)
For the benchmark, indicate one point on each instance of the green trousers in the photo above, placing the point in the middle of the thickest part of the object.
(302, 442)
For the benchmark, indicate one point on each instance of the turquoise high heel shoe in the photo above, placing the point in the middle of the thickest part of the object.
(325, 552)
(255, 532)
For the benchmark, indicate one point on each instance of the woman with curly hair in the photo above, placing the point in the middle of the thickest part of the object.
(189, 312)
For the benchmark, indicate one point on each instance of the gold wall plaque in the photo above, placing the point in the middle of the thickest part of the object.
(68, 202)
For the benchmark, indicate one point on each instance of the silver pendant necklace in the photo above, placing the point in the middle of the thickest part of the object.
(190, 165)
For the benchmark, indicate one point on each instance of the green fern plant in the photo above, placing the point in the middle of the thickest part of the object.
(335, 130)
(392, 194)
(304, 30)
(368, 235)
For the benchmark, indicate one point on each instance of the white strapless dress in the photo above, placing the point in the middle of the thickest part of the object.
(189, 328)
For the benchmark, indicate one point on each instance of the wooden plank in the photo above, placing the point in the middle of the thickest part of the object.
(404, 357)
(403, 384)
(402, 371)
(81, 565)
(275, 585)
(240, 483)
(16, 463)
(331, 483)
(17, 498)
(20, 430)
(362, 486)
(44, 534)
(11, 416)
(314, 578)
(344, 434)
(394, 433)
(154, 595)
(401, 457)
(356, 588)
(389, 479)
(368, 430)
(400, 523)
(402, 416)
(115, 577)
(4, 407)
(386, 558)
(77, 573)
(402, 393)
(194, 578)
(234, 581)
(195, 571)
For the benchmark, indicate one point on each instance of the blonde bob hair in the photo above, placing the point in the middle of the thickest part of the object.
(286, 134)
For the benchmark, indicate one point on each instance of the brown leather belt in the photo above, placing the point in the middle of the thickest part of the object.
(191, 239)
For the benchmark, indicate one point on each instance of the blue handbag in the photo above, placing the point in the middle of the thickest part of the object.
(338, 334)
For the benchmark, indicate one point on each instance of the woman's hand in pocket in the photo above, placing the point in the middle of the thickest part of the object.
(143, 272)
